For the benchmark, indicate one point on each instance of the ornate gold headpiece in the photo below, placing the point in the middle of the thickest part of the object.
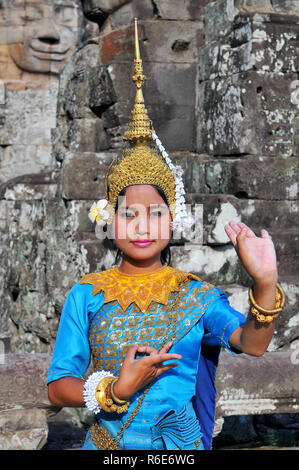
(142, 163)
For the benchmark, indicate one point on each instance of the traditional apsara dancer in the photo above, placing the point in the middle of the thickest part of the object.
(135, 319)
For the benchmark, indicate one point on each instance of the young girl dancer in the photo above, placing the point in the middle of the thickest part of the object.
(154, 332)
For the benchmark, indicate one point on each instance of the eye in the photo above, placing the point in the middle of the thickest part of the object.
(127, 214)
(32, 13)
(156, 213)
(66, 16)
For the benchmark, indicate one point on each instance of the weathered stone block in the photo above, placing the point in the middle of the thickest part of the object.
(246, 177)
(265, 178)
(28, 187)
(86, 85)
(218, 210)
(246, 113)
(83, 175)
(223, 16)
(272, 214)
(18, 160)
(177, 10)
(133, 9)
(165, 41)
(296, 135)
(87, 135)
(31, 126)
(289, 7)
(260, 387)
(99, 10)
(218, 265)
(98, 254)
(25, 429)
(265, 47)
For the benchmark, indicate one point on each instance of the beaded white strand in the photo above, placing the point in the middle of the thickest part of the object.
(89, 391)
(182, 220)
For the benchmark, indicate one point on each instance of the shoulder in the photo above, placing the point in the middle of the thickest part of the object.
(88, 284)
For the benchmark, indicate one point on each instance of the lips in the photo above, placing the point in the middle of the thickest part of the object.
(49, 52)
(142, 243)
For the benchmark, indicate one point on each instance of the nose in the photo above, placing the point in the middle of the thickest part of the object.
(142, 225)
(48, 33)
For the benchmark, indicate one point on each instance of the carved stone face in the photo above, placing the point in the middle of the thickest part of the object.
(43, 33)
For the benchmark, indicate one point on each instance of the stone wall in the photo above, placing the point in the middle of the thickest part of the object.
(37, 39)
(222, 91)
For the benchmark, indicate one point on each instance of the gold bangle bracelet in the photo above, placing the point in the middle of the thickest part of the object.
(280, 300)
(115, 399)
(263, 318)
(101, 394)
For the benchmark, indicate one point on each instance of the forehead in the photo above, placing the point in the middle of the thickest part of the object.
(142, 193)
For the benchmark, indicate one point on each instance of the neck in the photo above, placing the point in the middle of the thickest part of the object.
(129, 266)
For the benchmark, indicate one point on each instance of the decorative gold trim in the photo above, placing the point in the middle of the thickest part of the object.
(101, 438)
(279, 304)
(142, 289)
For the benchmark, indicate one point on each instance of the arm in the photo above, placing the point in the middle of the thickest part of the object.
(257, 255)
(71, 354)
(253, 338)
(134, 374)
(67, 391)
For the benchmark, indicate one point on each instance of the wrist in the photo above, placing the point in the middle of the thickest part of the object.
(268, 280)
(119, 392)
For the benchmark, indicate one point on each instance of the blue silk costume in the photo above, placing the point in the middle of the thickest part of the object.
(179, 408)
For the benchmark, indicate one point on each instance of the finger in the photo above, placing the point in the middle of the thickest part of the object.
(166, 347)
(265, 234)
(250, 232)
(231, 234)
(147, 350)
(159, 358)
(235, 227)
(241, 235)
(130, 356)
(165, 368)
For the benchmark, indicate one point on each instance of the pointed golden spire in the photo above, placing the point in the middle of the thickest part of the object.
(139, 133)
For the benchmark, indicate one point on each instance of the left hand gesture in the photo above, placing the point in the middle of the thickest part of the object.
(257, 254)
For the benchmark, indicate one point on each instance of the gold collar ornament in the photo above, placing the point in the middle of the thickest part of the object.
(139, 288)
(146, 162)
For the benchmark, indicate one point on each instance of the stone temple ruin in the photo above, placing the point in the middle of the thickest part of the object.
(223, 94)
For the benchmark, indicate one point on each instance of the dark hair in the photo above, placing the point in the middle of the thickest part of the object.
(165, 253)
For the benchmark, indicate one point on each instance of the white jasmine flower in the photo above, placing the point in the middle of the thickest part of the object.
(97, 212)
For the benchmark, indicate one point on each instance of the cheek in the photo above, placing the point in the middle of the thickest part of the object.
(120, 228)
(160, 227)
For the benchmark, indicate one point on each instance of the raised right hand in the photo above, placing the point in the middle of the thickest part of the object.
(137, 373)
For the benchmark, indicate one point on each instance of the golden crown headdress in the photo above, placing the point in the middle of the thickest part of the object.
(146, 162)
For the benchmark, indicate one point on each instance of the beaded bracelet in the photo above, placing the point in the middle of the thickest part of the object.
(90, 387)
(97, 394)
(266, 315)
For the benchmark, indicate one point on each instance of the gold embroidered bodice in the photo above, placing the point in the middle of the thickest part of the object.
(141, 289)
(147, 309)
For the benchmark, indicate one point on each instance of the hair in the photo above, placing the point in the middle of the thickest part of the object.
(165, 253)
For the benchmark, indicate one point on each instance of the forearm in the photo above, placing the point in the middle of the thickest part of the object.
(256, 336)
(67, 391)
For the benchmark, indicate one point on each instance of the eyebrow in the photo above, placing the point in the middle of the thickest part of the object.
(151, 206)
